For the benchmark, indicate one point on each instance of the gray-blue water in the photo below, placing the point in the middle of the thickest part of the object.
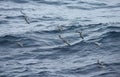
(36, 50)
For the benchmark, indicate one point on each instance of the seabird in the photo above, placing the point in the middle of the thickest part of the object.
(65, 41)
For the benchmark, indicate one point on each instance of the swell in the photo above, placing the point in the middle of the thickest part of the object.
(103, 30)
(93, 6)
(16, 1)
(17, 41)
(40, 52)
(111, 34)
(57, 3)
(97, 70)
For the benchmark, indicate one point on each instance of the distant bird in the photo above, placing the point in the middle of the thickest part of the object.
(81, 35)
(98, 44)
(60, 28)
(25, 17)
(65, 41)
(101, 64)
(19, 44)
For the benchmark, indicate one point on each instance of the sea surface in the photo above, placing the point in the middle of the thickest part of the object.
(59, 38)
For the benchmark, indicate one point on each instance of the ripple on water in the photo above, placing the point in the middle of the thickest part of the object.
(35, 49)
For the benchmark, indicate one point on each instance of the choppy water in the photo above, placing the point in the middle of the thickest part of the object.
(35, 50)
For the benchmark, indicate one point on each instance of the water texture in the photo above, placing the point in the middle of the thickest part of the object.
(59, 38)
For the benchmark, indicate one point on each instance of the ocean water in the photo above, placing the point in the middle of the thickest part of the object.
(59, 38)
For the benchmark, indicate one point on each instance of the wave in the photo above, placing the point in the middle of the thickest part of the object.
(91, 28)
(8, 39)
(17, 1)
